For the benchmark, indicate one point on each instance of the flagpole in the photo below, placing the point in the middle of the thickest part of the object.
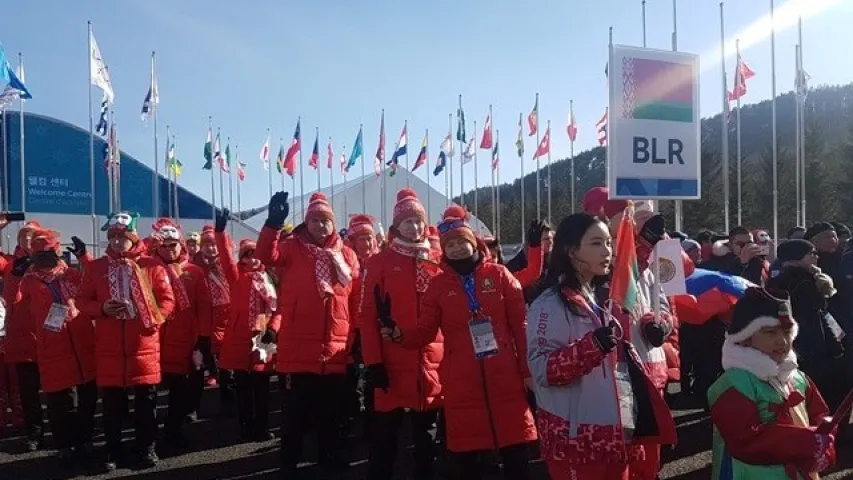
(493, 197)
(212, 179)
(23, 158)
(154, 100)
(802, 132)
(572, 142)
(96, 238)
(426, 166)
(797, 127)
(773, 123)
(301, 170)
(548, 132)
(230, 178)
(521, 159)
(449, 166)
(363, 174)
(280, 163)
(317, 130)
(724, 133)
(461, 155)
(175, 183)
(739, 154)
(169, 172)
(269, 163)
(240, 167)
(476, 194)
(293, 189)
(5, 164)
(498, 186)
(332, 176)
(678, 203)
(217, 144)
(383, 185)
(538, 179)
(344, 176)
(408, 166)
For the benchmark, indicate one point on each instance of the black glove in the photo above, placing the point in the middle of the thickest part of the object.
(277, 211)
(534, 233)
(655, 333)
(79, 248)
(269, 336)
(19, 268)
(654, 229)
(221, 220)
(605, 338)
(383, 308)
(377, 375)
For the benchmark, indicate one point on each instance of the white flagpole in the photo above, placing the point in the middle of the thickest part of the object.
(426, 167)
(538, 179)
(644, 29)
(461, 157)
(449, 167)
(797, 127)
(332, 176)
(363, 174)
(724, 133)
(773, 123)
(280, 163)
(269, 160)
(408, 166)
(175, 184)
(548, 132)
(155, 96)
(739, 154)
(493, 197)
(473, 140)
(498, 187)
(802, 132)
(344, 177)
(212, 180)
(23, 158)
(169, 172)
(230, 178)
(239, 203)
(96, 238)
(301, 171)
(317, 166)
(572, 122)
(521, 160)
(383, 190)
(221, 180)
(293, 189)
(678, 204)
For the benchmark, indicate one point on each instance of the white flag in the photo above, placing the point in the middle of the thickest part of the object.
(470, 151)
(671, 273)
(100, 76)
(265, 153)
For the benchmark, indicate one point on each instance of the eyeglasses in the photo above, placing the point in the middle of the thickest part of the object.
(449, 225)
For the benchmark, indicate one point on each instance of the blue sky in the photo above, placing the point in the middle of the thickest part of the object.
(262, 63)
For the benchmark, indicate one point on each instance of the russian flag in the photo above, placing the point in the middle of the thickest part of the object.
(710, 294)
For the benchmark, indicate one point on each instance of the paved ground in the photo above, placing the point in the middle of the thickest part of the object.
(215, 455)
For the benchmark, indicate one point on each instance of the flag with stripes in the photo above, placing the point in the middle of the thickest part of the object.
(601, 127)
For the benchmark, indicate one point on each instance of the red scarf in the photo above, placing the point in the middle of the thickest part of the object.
(426, 265)
(217, 284)
(56, 276)
(175, 270)
(128, 282)
(328, 259)
(262, 298)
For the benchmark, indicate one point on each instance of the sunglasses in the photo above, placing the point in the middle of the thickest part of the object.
(445, 227)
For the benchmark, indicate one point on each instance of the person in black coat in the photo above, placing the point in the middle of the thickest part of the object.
(740, 256)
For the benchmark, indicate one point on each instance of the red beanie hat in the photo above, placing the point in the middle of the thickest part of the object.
(208, 235)
(318, 207)
(247, 246)
(594, 200)
(455, 225)
(407, 206)
(44, 240)
(167, 229)
(360, 225)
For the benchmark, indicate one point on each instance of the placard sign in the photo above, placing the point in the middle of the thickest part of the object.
(653, 149)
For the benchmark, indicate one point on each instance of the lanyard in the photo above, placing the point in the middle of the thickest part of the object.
(57, 296)
(468, 286)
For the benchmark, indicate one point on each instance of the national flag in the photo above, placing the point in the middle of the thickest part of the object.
(265, 153)
(103, 124)
(742, 74)
(645, 99)
(626, 273)
(279, 158)
(601, 127)
(225, 161)
(295, 147)
(709, 294)
(217, 152)
(152, 98)
(172, 162)
(380, 149)
(470, 152)
(110, 148)
(669, 252)
(801, 81)
(208, 151)
(460, 125)
(486, 142)
(99, 74)
(496, 160)
(402, 148)
(314, 161)
(533, 118)
(344, 161)
(241, 170)
(357, 150)
(572, 127)
(422, 155)
(329, 155)
(445, 152)
(519, 142)
(544, 145)
(15, 88)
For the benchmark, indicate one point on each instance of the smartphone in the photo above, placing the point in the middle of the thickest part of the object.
(15, 216)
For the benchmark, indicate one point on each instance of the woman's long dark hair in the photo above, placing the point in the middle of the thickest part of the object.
(561, 271)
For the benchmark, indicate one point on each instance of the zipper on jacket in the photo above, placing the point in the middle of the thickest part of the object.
(74, 352)
(485, 384)
(421, 369)
(327, 336)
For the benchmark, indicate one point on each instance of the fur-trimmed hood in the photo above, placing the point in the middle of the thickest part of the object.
(759, 364)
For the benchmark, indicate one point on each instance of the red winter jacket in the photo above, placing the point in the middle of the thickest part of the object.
(178, 334)
(314, 330)
(212, 320)
(65, 358)
(413, 374)
(485, 400)
(20, 334)
(127, 353)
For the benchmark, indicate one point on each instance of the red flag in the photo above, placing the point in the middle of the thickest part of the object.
(330, 155)
(487, 132)
(742, 74)
(314, 161)
(533, 118)
(572, 127)
(295, 147)
(544, 145)
(379, 160)
(601, 126)
(241, 172)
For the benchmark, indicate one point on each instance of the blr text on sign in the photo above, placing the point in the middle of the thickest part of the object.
(653, 137)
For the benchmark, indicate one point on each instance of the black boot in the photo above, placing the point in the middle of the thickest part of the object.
(148, 457)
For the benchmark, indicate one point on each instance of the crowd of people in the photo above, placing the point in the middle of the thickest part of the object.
(485, 358)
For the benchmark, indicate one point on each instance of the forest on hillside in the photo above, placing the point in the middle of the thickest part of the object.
(829, 170)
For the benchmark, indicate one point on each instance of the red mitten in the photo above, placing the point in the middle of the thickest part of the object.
(824, 452)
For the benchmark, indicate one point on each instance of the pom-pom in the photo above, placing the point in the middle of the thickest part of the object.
(406, 193)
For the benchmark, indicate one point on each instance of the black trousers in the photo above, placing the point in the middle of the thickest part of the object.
(384, 438)
(308, 396)
(253, 400)
(179, 402)
(196, 378)
(471, 465)
(689, 346)
(72, 425)
(29, 384)
(708, 363)
(115, 400)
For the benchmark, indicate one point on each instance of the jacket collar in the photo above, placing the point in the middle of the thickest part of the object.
(758, 364)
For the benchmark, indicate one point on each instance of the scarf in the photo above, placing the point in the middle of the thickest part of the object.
(55, 277)
(217, 285)
(422, 253)
(128, 282)
(176, 271)
(327, 259)
(465, 266)
(262, 298)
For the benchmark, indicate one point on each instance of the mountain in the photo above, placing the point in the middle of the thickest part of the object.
(829, 170)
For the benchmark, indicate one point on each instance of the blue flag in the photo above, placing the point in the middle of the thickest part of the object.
(357, 151)
(16, 84)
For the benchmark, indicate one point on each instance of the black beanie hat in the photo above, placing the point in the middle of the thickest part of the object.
(792, 250)
(760, 308)
(841, 229)
(817, 229)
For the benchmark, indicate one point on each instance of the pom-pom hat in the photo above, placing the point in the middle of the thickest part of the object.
(247, 247)
(360, 225)
(122, 224)
(318, 207)
(208, 235)
(44, 240)
(166, 230)
(455, 225)
(757, 309)
(408, 205)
